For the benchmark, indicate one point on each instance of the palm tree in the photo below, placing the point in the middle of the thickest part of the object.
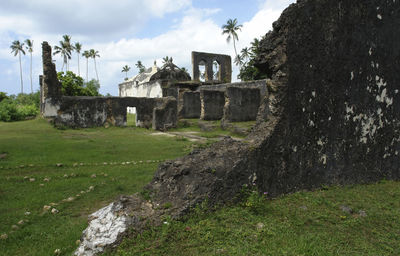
(29, 47)
(94, 54)
(255, 46)
(126, 69)
(245, 54)
(64, 50)
(69, 47)
(230, 28)
(17, 48)
(78, 48)
(86, 54)
(140, 66)
(167, 59)
(238, 60)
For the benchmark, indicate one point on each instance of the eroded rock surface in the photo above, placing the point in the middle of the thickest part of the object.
(332, 114)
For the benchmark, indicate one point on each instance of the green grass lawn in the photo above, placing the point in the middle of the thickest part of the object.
(96, 165)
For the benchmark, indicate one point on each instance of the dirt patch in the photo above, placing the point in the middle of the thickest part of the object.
(3, 155)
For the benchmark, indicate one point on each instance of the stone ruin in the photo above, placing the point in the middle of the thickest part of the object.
(83, 112)
(209, 61)
(181, 97)
(331, 117)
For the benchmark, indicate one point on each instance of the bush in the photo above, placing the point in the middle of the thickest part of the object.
(8, 110)
(3, 96)
(16, 108)
(73, 85)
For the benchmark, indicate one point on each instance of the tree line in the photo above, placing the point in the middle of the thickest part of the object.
(64, 49)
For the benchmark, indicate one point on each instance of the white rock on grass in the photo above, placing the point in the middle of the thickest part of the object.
(46, 207)
(97, 235)
(3, 236)
(54, 211)
(32, 179)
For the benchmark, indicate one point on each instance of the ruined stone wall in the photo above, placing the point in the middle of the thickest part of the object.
(241, 104)
(224, 61)
(212, 104)
(84, 112)
(50, 86)
(340, 118)
(191, 105)
(165, 116)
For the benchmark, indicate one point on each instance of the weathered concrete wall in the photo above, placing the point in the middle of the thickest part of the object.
(149, 89)
(208, 58)
(191, 106)
(212, 104)
(241, 101)
(241, 104)
(165, 116)
(98, 111)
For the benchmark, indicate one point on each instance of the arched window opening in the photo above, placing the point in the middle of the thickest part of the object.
(216, 71)
(202, 71)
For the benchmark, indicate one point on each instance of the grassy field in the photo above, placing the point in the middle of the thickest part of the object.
(72, 171)
(354, 220)
(75, 172)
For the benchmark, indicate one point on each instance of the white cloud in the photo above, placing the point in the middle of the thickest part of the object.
(100, 18)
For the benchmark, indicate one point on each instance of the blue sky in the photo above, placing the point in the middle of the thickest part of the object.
(125, 31)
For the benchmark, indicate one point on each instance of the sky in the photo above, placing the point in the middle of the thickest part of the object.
(125, 31)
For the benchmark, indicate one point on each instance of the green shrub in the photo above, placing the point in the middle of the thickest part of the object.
(73, 85)
(12, 110)
(3, 96)
(8, 110)
(28, 99)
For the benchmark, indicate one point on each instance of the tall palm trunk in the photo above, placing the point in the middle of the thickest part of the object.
(234, 47)
(20, 72)
(95, 68)
(62, 68)
(87, 70)
(79, 71)
(31, 74)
